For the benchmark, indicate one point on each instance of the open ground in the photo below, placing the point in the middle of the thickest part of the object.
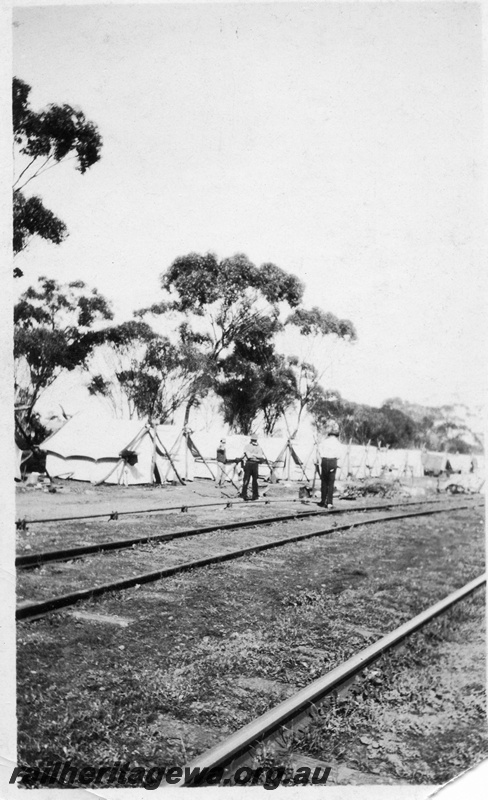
(156, 674)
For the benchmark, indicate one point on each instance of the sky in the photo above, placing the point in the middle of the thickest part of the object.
(342, 142)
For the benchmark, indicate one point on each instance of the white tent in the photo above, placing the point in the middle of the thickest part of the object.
(207, 443)
(436, 463)
(460, 462)
(18, 462)
(369, 461)
(288, 460)
(98, 448)
(89, 448)
(103, 449)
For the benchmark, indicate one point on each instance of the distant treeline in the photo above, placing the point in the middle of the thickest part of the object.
(398, 424)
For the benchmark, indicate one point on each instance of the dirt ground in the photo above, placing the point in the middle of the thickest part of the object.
(73, 498)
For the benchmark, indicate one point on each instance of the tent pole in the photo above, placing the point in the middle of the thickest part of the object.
(170, 460)
(191, 443)
(185, 434)
(316, 470)
(174, 447)
(349, 457)
(311, 456)
(288, 460)
(297, 460)
(153, 457)
(277, 461)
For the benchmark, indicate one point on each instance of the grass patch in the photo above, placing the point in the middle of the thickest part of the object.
(97, 693)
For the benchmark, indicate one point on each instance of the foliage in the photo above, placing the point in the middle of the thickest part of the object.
(254, 379)
(32, 218)
(447, 428)
(278, 393)
(153, 374)
(250, 388)
(121, 354)
(385, 425)
(54, 330)
(43, 139)
(230, 313)
(233, 285)
(391, 425)
(458, 445)
(315, 324)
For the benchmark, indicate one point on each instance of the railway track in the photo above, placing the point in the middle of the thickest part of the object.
(114, 515)
(37, 608)
(32, 560)
(201, 655)
(238, 751)
(184, 507)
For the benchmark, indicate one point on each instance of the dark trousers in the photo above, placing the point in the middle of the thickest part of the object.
(327, 475)
(250, 471)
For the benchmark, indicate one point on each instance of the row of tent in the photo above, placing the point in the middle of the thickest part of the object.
(102, 449)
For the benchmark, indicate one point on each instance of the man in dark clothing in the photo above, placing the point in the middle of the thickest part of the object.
(253, 455)
(330, 453)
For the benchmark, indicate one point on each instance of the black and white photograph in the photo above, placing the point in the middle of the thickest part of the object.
(244, 400)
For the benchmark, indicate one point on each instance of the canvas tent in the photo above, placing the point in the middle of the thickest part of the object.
(98, 448)
(460, 462)
(285, 461)
(18, 462)
(435, 463)
(368, 461)
(294, 459)
(89, 448)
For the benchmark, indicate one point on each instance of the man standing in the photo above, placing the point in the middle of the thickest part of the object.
(221, 461)
(253, 455)
(330, 452)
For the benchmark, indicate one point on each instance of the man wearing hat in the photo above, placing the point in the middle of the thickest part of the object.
(329, 453)
(221, 462)
(253, 455)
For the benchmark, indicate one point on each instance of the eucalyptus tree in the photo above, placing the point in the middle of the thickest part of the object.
(317, 328)
(142, 372)
(42, 140)
(221, 304)
(256, 379)
(56, 328)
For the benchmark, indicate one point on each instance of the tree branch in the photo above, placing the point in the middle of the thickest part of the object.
(24, 171)
(36, 174)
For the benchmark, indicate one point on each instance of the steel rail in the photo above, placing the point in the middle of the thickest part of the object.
(161, 509)
(238, 743)
(183, 507)
(39, 608)
(32, 560)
